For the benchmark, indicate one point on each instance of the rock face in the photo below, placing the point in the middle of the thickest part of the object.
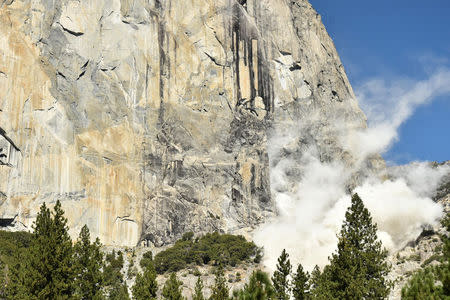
(149, 118)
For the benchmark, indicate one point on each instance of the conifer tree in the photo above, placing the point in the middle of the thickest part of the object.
(259, 287)
(300, 286)
(198, 290)
(147, 259)
(46, 270)
(145, 286)
(172, 288)
(63, 273)
(280, 277)
(317, 287)
(220, 289)
(119, 292)
(88, 264)
(115, 285)
(314, 279)
(358, 269)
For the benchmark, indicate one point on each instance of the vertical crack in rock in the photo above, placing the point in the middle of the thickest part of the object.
(162, 64)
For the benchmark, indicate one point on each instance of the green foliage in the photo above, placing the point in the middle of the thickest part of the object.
(13, 242)
(432, 282)
(300, 286)
(172, 288)
(88, 265)
(258, 256)
(115, 285)
(3, 284)
(238, 277)
(119, 292)
(358, 270)
(147, 259)
(415, 257)
(198, 290)
(45, 264)
(145, 286)
(317, 285)
(13, 246)
(423, 286)
(280, 277)
(46, 269)
(187, 236)
(132, 272)
(196, 272)
(214, 248)
(259, 287)
(220, 289)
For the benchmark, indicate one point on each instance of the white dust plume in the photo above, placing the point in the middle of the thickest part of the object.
(312, 202)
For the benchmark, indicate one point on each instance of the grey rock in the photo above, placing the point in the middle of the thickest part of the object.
(148, 119)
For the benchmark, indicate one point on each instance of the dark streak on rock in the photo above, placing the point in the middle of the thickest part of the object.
(8, 2)
(81, 74)
(108, 69)
(294, 67)
(213, 59)
(5, 222)
(61, 74)
(85, 64)
(131, 24)
(74, 33)
(3, 133)
(243, 31)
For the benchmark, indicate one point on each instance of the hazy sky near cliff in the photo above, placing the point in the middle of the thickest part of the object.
(404, 44)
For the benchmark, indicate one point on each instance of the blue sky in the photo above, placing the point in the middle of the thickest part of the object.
(397, 41)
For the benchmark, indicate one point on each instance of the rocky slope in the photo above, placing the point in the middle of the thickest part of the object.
(426, 249)
(150, 118)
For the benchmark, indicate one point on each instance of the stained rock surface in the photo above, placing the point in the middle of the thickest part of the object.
(150, 118)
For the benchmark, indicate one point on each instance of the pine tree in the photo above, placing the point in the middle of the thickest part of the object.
(145, 287)
(300, 286)
(46, 270)
(115, 285)
(358, 270)
(423, 286)
(314, 279)
(259, 287)
(147, 259)
(119, 292)
(198, 290)
(220, 289)
(172, 288)
(317, 287)
(88, 264)
(63, 273)
(280, 277)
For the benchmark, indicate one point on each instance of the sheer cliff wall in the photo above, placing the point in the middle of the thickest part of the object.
(150, 118)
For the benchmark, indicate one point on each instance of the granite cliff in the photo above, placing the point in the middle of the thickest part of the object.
(150, 118)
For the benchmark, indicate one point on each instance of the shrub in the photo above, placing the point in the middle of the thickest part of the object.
(211, 248)
(146, 260)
